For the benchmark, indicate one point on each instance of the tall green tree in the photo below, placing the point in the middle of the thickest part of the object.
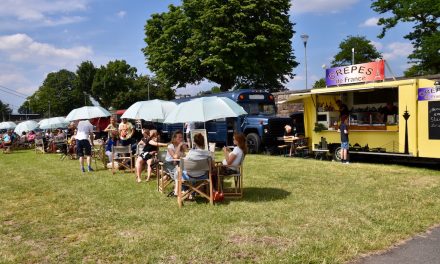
(25, 108)
(116, 78)
(5, 111)
(85, 74)
(424, 14)
(364, 51)
(233, 43)
(57, 96)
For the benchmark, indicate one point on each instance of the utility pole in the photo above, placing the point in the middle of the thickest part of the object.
(305, 37)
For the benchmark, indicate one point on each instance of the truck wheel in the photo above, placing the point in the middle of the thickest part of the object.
(337, 154)
(253, 143)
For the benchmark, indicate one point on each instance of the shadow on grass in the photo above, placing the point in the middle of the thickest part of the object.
(257, 195)
(265, 194)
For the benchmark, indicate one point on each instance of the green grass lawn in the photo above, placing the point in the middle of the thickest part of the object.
(293, 211)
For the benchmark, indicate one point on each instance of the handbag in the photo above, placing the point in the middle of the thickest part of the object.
(218, 196)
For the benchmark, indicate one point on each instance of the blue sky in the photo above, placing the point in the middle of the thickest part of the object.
(41, 36)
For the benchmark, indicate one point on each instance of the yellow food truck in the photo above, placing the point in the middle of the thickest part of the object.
(397, 118)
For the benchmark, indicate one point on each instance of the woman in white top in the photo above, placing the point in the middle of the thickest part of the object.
(236, 156)
(177, 148)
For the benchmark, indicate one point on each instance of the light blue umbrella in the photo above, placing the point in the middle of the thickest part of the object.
(154, 110)
(7, 125)
(87, 112)
(205, 109)
(54, 122)
(25, 126)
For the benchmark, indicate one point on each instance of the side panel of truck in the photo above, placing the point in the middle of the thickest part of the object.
(426, 147)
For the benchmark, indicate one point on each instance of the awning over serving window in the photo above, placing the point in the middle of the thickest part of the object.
(297, 97)
(351, 88)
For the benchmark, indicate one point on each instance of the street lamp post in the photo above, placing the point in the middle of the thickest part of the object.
(352, 56)
(305, 37)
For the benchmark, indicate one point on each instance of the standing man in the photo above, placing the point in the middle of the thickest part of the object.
(83, 145)
(344, 140)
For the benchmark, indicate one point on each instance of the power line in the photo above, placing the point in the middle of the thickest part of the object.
(13, 90)
(12, 93)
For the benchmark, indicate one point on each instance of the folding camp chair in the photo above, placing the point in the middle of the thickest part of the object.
(164, 172)
(122, 155)
(39, 146)
(302, 147)
(200, 185)
(226, 172)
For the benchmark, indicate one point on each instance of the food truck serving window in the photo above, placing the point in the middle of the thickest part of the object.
(380, 96)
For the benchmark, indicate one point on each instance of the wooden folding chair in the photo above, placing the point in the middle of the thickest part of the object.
(122, 154)
(302, 147)
(163, 172)
(98, 152)
(200, 185)
(39, 146)
(226, 172)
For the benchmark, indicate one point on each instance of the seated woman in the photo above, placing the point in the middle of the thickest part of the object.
(198, 152)
(150, 149)
(236, 156)
(111, 141)
(23, 139)
(72, 144)
(175, 151)
(145, 137)
(7, 139)
(31, 136)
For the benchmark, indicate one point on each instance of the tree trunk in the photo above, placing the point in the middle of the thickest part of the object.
(226, 85)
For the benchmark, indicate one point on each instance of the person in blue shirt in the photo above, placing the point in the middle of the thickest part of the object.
(112, 141)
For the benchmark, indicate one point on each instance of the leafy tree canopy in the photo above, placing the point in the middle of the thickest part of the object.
(85, 74)
(364, 51)
(57, 96)
(233, 43)
(5, 110)
(425, 35)
(320, 83)
(115, 78)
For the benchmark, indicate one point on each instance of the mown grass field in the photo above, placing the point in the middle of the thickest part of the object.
(294, 211)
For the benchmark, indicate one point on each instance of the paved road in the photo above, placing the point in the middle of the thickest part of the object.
(422, 249)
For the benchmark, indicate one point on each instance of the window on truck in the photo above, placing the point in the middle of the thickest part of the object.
(259, 108)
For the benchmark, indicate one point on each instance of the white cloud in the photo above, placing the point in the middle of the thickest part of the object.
(378, 45)
(22, 48)
(319, 6)
(371, 22)
(121, 14)
(11, 78)
(397, 50)
(41, 12)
